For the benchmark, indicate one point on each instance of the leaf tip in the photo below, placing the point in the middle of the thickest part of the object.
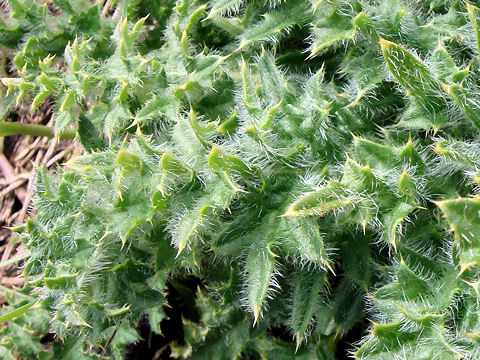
(256, 315)
(180, 250)
(299, 342)
(384, 43)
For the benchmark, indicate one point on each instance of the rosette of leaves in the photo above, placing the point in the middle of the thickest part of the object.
(313, 164)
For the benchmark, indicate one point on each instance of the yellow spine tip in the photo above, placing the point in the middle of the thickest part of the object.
(180, 249)
(256, 315)
(299, 342)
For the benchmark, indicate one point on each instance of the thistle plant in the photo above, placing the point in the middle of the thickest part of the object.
(312, 164)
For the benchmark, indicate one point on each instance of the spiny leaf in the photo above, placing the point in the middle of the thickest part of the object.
(235, 169)
(331, 197)
(305, 298)
(125, 334)
(190, 225)
(304, 235)
(444, 67)
(466, 101)
(368, 71)
(416, 116)
(172, 170)
(229, 125)
(334, 26)
(173, 166)
(62, 120)
(128, 161)
(360, 178)
(390, 341)
(230, 239)
(89, 136)
(348, 303)
(378, 156)
(276, 22)
(474, 17)
(410, 155)
(413, 75)
(160, 105)
(7, 104)
(220, 7)
(272, 79)
(259, 268)
(356, 256)
(462, 215)
(115, 119)
(366, 26)
(232, 26)
(409, 286)
(393, 219)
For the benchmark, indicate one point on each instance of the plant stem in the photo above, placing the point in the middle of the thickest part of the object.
(14, 259)
(8, 128)
(17, 312)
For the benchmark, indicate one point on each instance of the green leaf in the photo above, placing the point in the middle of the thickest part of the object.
(410, 155)
(474, 17)
(331, 197)
(115, 120)
(221, 7)
(391, 341)
(6, 353)
(272, 80)
(231, 25)
(348, 304)
(393, 219)
(71, 348)
(368, 72)
(416, 116)
(128, 161)
(305, 238)
(173, 171)
(7, 104)
(62, 120)
(229, 125)
(11, 37)
(165, 258)
(305, 298)
(190, 225)
(89, 136)
(259, 267)
(409, 286)
(462, 215)
(125, 334)
(159, 106)
(363, 23)
(466, 101)
(357, 260)
(155, 317)
(361, 178)
(230, 238)
(443, 65)
(462, 155)
(333, 26)
(235, 170)
(413, 75)
(274, 23)
(378, 156)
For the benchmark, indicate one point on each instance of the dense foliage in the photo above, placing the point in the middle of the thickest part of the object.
(312, 164)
